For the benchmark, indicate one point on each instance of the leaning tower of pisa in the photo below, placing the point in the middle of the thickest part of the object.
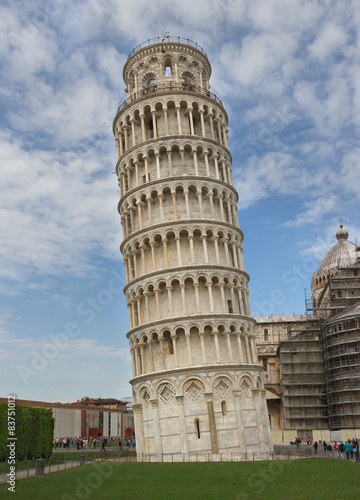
(197, 384)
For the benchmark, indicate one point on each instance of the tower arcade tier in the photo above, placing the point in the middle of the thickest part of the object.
(197, 384)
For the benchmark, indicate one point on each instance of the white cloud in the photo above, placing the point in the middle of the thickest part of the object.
(330, 38)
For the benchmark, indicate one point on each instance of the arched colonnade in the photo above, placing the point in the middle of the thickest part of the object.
(186, 346)
(177, 200)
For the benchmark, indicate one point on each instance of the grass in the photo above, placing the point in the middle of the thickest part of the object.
(279, 480)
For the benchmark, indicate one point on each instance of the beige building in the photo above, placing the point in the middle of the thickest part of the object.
(312, 361)
(197, 383)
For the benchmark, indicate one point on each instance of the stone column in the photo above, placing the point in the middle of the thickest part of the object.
(158, 173)
(153, 113)
(240, 301)
(222, 292)
(216, 167)
(166, 121)
(211, 201)
(143, 260)
(217, 349)
(152, 364)
(207, 163)
(209, 286)
(220, 198)
(142, 119)
(157, 300)
(139, 309)
(212, 424)
(183, 298)
(169, 289)
(192, 132)
(201, 111)
(178, 119)
(152, 245)
(228, 339)
(149, 202)
(216, 244)
(166, 259)
(186, 196)
(161, 196)
(170, 163)
(240, 349)
(157, 429)
(142, 356)
(133, 132)
(197, 298)
(237, 395)
(126, 138)
(173, 338)
(196, 163)
(140, 445)
(133, 362)
(147, 308)
(137, 368)
(248, 354)
(226, 251)
(139, 205)
(266, 418)
(253, 350)
(188, 347)
(173, 196)
(233, 249)
(199, 195)
(121, 144)
(259, 421)
(210, 115)
(182, 424)
(162, 353)
(192, 252)
(202, 342)
(206, 257)
(178, 249)
(146, 162)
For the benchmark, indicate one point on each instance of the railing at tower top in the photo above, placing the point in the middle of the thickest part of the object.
(165, 39)
(168, 87)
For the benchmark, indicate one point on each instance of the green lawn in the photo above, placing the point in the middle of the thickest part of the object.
(278, 480)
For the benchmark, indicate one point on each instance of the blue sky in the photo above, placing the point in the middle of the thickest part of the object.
(289, 76)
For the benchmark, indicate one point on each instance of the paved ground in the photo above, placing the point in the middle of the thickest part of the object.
(23, 474)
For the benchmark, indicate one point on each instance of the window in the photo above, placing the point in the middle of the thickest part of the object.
(266, 334)
(351, 348)
(264, 364)
(339, 293)
(197, 428)
(230, 307)
(223, 407)
(171, 346)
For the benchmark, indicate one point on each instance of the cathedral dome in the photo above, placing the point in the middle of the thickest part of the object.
(341, 255)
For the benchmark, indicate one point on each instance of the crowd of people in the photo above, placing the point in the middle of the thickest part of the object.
(348, 450)
(80, 443)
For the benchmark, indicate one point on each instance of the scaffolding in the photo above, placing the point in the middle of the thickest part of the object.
(303, 381)
(338, 310)
(341, 339)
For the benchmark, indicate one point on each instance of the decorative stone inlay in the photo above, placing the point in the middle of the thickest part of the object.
(166, 392)
(146, 397)
(222, 387)
(193, 389)
(245, 387)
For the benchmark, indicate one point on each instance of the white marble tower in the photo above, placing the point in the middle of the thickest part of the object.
(197, 384)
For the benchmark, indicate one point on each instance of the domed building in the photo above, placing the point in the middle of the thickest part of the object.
(340, 256)
(312, 362)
